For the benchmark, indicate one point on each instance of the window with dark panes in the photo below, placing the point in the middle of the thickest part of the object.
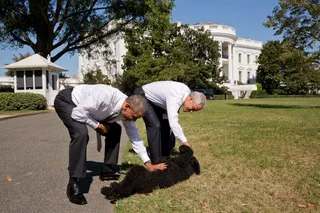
(47, 79)
(29, 79)
(20, 80)
(54, 82)
(38, 79)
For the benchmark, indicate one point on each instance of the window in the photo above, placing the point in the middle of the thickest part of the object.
(240, 77)
(256, 59)
(54, 82)
(29, 79)
(248, 59)
(239, 56)
(248, 77)
(20, 80)
(47, 79)
(38, 79)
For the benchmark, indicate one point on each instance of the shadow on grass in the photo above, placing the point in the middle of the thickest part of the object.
(275, 106)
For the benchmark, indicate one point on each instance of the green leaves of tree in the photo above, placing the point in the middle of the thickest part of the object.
(299, 23)
(170, 52)
(284, 69)
(96, 77)
(68, 25)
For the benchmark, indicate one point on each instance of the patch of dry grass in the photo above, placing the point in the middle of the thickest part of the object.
(255, 155)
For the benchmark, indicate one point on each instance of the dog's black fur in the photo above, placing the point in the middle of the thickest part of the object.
(140, 180)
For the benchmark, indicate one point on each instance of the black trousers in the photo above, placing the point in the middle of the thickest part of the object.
(160, 139)
(79, 137)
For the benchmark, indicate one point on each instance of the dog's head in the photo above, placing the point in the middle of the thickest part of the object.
(187, 151)
(195, 165)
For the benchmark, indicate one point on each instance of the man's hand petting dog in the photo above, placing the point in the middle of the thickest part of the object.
(186, 143)
(154, 167)
(103, 129)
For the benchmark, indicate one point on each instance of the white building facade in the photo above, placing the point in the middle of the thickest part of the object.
(112, 67)
(237, 61)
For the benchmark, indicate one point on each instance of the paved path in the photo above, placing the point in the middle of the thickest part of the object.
(33, 163)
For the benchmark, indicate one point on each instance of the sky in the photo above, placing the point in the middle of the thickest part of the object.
(245, 16)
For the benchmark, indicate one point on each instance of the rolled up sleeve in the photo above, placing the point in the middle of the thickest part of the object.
(137, 142)
(173, 117)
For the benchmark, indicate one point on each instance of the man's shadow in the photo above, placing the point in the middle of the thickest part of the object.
(93, 169)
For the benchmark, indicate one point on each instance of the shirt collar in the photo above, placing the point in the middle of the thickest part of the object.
(117, 107)
(185, 97)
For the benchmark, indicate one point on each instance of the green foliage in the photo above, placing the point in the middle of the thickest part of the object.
(22, 101)
(170, 52)
(68, 26)
(260, 92)
(96, 77)
(6, 88)
(299, 23)
(284, 69)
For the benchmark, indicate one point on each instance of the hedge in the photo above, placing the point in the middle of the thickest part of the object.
(22, 101)
(6, 88)
(223, 96)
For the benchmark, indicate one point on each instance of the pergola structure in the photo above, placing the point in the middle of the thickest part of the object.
(36, 74)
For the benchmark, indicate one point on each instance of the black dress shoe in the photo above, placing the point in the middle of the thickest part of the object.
(109, 176)
(74, 194)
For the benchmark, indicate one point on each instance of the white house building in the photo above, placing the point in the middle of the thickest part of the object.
(238, 58)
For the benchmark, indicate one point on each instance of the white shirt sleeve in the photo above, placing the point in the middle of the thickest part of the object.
(173, 117)
(81, 113)
(137, 143)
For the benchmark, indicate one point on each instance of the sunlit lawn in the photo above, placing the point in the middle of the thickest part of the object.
(259, 155)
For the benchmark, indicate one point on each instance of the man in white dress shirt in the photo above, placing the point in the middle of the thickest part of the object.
(99, 106)
(164, 101)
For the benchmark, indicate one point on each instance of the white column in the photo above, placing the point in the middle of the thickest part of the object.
(220, 59)
(230, 63)
(234, 64)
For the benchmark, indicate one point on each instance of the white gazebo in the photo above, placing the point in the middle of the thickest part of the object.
(36, 74)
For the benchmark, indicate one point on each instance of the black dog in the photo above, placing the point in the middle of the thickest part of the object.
(140, 180)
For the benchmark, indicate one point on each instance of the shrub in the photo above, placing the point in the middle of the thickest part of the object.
(260, 92)
(6, 88)
(223, 96)
(22, 101)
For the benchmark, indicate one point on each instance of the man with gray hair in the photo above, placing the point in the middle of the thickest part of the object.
(164, 100)
(99, 106)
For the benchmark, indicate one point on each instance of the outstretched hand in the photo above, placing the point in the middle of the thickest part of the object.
(153, 167)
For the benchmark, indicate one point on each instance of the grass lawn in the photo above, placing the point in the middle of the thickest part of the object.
(259, 155)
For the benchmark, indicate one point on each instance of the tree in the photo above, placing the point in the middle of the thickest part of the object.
(270, 66)
(284, 69)
(96, 77)
(15, 58)
(171, 52)
(67, 25)
(299, 23)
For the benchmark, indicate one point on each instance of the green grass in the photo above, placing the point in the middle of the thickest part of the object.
(259, 155)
